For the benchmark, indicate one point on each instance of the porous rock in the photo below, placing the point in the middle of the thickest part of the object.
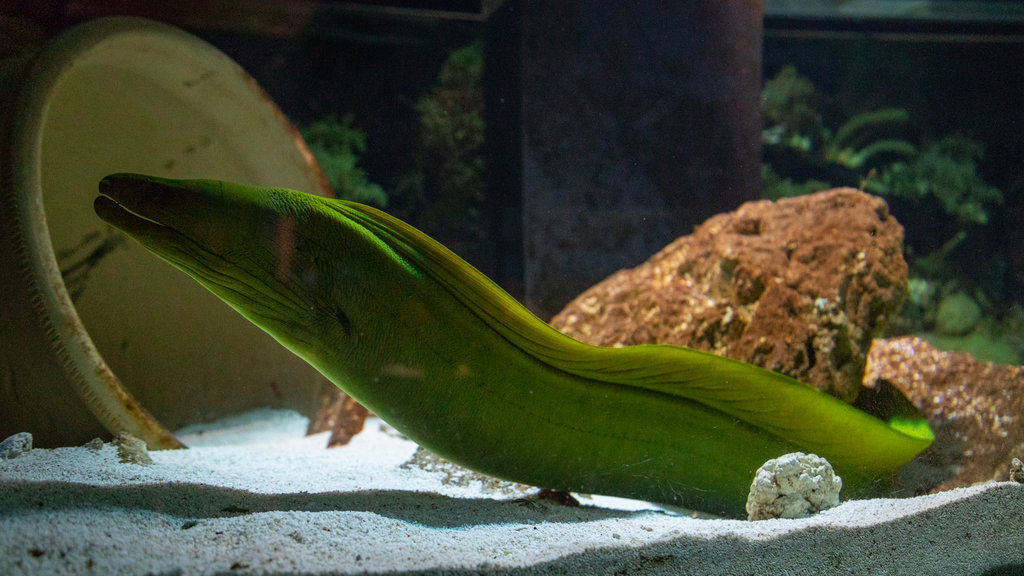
(15, 445)
(338, 412)
(132, 450)
(799, 286)
(975, 409)
(794, 485)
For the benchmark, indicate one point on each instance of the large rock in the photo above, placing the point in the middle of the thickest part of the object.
(799, 286)
(975, 409)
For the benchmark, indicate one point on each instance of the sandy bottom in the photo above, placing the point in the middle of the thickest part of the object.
(253, 496)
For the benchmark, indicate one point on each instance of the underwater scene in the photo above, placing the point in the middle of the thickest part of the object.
(512, 286)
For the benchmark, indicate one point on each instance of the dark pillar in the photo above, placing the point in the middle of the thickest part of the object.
(640, 119)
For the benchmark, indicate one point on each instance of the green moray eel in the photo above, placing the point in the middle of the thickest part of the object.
(444, 355)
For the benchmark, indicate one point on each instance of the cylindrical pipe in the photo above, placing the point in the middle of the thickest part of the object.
(85, 315)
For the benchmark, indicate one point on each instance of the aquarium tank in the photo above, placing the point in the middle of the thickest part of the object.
(516, 286)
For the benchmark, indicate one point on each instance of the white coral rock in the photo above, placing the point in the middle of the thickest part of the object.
(795, 485)
(14, 446)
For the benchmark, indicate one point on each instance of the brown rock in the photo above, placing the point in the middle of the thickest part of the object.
(975, 409)
(339, 413)
(799, 286)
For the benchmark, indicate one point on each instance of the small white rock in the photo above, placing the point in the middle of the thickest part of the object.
(1017, 470)
(16, 445)
(795, 485)
(132, 450)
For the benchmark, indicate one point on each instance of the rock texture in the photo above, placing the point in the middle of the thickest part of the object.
(338, 412)
(975, 409)
(15, 445)
(794, 485)
(799, 286)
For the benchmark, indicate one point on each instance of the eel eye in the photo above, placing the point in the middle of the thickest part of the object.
(343, 321)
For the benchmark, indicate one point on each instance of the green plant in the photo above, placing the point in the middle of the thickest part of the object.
(862, 152)
(934, 187)
(852, 145)
(447, 185)
(336, 145)
(945, 171)
(788, 103)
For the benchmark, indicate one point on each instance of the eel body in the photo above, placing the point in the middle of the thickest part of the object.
(444, 355)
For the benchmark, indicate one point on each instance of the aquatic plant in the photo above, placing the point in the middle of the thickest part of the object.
(447, 185)
(336, 144)
(934, 187)
(946, 171)
(863, 153)
(788, 103)
(852, 145)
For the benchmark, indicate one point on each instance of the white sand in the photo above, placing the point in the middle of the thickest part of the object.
(255, 497)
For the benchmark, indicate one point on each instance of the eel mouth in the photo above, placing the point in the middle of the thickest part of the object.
(132, 203)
